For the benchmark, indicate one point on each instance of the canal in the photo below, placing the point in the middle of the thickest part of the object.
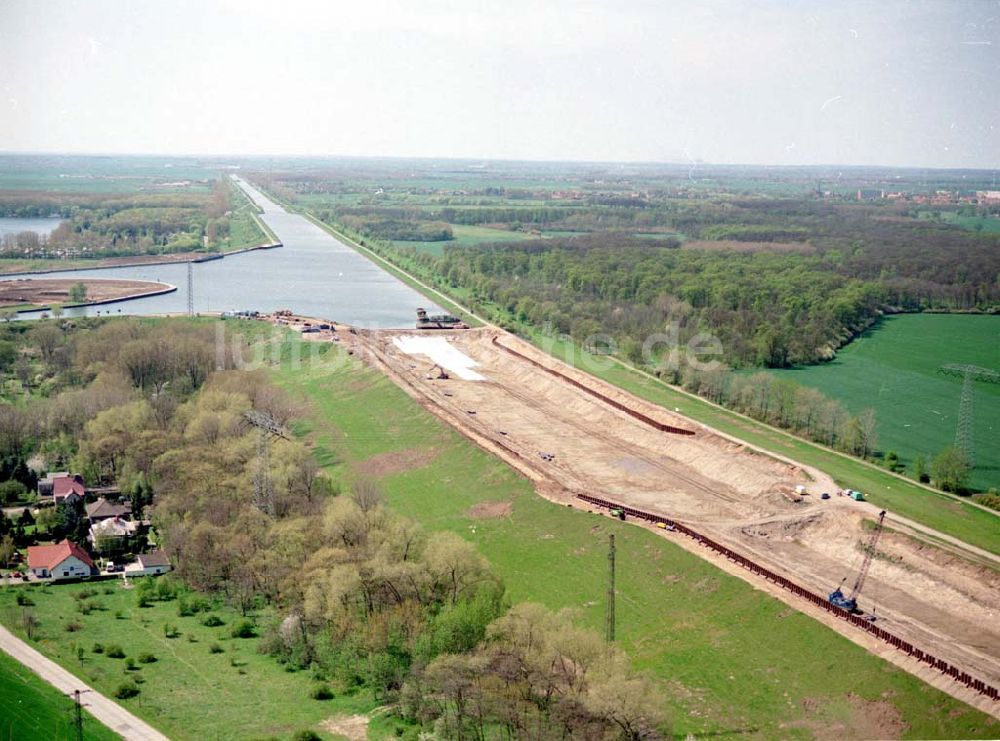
(312, 274)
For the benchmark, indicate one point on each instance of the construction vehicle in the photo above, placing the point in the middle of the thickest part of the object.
(850, 603)
(441, 375)
(438, 321)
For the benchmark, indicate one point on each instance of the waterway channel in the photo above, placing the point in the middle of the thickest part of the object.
(312, 274)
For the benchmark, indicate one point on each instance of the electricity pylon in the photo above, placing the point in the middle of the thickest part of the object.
(609, 616)
(964, 431)
(263, 490)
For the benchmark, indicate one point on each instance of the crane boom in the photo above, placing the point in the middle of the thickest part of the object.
(869, 555)
(851, 603)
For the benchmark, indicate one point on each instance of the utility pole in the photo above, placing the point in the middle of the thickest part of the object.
(78, 714)
(609, 617)
(190, 287)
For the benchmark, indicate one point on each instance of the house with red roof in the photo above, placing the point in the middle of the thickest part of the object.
(62, 485)
(65, 560)
(68, 489)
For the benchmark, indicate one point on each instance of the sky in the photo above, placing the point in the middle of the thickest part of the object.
(795, 82)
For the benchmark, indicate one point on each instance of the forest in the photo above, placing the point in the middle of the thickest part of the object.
(114, 224)
(333, 581)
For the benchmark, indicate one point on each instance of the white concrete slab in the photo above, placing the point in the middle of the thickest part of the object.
(441, 352)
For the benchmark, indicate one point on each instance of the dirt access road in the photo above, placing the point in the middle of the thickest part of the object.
(47, 291)
(934, 593)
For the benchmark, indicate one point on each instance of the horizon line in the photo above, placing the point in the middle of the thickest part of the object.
(432, 158)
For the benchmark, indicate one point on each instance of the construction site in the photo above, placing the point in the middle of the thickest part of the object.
(775, 523)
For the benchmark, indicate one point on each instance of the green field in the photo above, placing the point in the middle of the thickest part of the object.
(30, 708)
(731, 659)
(984, 224)
(189, 692)
(894, 370)
(466, 236)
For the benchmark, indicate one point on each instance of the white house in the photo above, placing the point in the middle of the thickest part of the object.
(65, 560)
(149, 564)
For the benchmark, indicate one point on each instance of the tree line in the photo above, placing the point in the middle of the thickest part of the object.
(114, 225)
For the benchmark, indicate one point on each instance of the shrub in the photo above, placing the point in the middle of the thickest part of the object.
(119, 615)
(191, 604)
(212, 621)
(108, 590)
(306, 736)
(244, 629)
(84, 608)
(215, 648)
(170, 631)
(991, 499)
(321, 692)
(130, 664)
(126, 690)
(12, 491)
(24, 600)
(84, 594)
(166, 589)
(72, 626)
(147, 658)
(114, 651)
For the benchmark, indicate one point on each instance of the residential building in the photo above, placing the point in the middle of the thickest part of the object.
(149, 564)
(102, 509)
(45, 484)
(65, 560)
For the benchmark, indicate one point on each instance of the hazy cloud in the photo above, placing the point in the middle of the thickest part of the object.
(763, 82)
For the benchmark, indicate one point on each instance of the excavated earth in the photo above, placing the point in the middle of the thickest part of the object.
(923, 586)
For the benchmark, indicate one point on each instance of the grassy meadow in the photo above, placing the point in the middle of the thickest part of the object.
(893, 369)
(31, 708)
(204, 684)
(465, 236)
(731, 659)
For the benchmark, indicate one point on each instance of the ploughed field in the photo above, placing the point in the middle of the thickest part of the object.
(926, 588)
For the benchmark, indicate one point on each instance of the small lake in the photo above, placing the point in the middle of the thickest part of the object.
(16, 225)
(312, 274)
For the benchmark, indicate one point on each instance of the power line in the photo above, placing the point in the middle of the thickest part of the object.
(609, 617)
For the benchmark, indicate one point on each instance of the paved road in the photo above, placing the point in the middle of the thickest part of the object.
(108, 712)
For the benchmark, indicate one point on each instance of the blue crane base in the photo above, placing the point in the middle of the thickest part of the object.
(837, 599)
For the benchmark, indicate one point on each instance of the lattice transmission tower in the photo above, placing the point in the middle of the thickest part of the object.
(964, 430)
(263, 489)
